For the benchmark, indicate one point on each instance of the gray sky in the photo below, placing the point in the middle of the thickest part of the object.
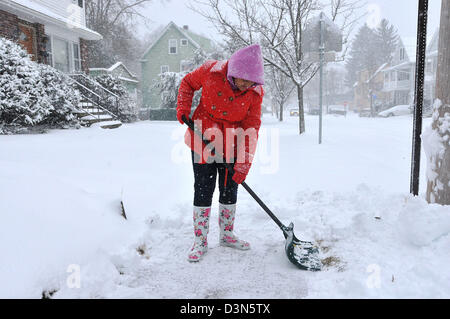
(401, 13)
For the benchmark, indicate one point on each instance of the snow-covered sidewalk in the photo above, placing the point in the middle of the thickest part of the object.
(62, 232)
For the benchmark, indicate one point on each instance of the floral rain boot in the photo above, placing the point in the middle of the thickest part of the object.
(226, 223)
(201, 229)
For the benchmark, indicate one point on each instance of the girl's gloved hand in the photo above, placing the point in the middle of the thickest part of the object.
(180, 114)
(239, 177)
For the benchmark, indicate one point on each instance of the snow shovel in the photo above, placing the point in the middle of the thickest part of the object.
(303, 254)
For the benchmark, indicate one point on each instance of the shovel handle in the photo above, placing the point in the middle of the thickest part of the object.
(191, 125)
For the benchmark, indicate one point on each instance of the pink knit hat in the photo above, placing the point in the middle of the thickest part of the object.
(247, 64)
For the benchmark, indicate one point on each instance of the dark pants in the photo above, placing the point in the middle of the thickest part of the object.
(205, 176)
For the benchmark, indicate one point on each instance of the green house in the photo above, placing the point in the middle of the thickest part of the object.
(119, 70)
(170, 52)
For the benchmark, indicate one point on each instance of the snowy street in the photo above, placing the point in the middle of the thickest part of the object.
(62, 233)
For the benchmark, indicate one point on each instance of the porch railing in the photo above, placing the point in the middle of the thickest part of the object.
(95, 93)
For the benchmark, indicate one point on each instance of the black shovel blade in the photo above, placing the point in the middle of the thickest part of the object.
(303, 254)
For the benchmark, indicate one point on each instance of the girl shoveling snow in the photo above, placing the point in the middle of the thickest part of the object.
(230, 107)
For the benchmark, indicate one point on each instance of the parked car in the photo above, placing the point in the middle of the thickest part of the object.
(365, 113)
(337, 109)
(396, 111)
(294, 112)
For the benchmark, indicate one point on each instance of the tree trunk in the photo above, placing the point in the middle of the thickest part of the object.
(281, 112)
(438, 187)
(301, 112)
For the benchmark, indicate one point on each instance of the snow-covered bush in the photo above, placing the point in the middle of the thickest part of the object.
(128, 110)
(31, 93)
(167, 85)
(199, 57)
(61, 94)
(21, 99)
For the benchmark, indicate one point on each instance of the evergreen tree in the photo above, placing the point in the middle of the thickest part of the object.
(370, 49)
(363, 54)
(386, 41)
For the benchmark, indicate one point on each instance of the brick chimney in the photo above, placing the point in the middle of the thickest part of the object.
(186, 27)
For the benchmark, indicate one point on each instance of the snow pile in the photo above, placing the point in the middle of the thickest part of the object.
(422, 224)
(32, 93)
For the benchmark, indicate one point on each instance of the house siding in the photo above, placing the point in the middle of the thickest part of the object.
(158, 56)
(68, 9)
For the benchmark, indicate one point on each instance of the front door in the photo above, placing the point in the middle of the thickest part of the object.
(27, 39)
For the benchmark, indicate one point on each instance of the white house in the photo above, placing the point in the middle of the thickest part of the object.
(399, 78)
(52, 31)
(431, 69)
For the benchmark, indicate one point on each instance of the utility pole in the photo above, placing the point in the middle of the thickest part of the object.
(322, 54)
(418, 95)
(438, 188)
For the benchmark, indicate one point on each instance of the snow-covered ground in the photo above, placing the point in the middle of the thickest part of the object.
(61, 232)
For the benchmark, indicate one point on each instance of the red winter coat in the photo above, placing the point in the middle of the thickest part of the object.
(221, 108)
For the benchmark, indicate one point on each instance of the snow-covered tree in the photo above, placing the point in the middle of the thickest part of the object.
(128, 109)
(279, 89)
(436, 139)
(200, 57)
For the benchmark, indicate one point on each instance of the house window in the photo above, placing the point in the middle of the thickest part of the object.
(80, 3)
(402, 54)
(61, 55)
(173, 46)
(76, 57)
(403, 76)
(164, 68)
(184, 42)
